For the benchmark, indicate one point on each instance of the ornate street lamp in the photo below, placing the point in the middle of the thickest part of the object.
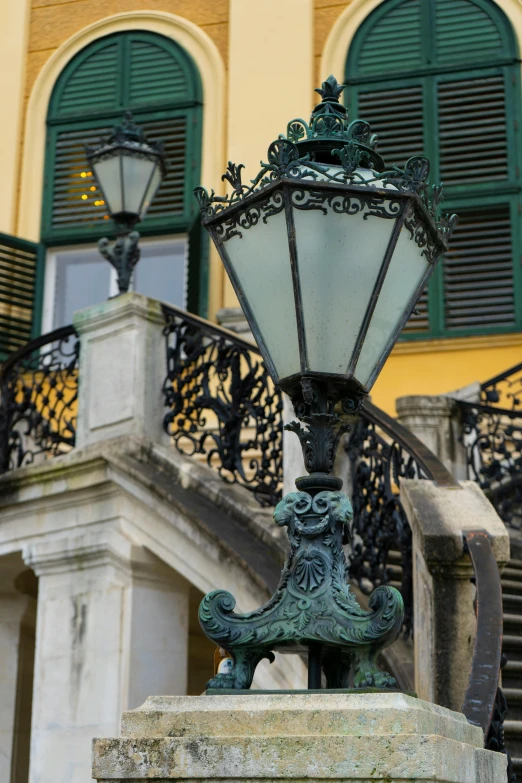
(328, 252)
(128, 170)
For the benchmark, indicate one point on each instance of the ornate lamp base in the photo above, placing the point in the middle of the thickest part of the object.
(313, 609)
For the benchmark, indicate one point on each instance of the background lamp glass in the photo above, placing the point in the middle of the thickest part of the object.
(128, 170)
(328, 252)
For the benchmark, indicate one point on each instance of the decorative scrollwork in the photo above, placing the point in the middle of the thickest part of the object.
(353, 144)
(250, 216)
(380, 524)
(222, 405)
(39, 392)
(313, 604)
(371, 204)
(492, 437)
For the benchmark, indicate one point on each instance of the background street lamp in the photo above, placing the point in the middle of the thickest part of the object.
(328, 253)
(128, 170)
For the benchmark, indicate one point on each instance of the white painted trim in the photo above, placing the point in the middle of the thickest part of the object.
(333, 59)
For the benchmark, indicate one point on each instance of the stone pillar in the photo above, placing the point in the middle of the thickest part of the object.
(445, 624)
(112, 627)
(329, 736)
(435, 421)
(122, 369)
(16, 611)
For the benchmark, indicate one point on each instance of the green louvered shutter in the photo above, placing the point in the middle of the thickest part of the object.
(392, 38)
(154, 79)
(93, 84)
(21, 267)
(453, 96)
(466, 32)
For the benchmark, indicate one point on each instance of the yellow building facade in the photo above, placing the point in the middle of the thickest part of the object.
(258, 62)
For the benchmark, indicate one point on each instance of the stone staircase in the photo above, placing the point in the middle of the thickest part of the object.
(512, 672)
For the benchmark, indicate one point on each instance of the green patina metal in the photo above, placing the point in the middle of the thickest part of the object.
(313, 609)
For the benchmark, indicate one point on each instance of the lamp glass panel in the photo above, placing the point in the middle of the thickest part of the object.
(339, 258)
(261, 261)
(154, 184)
(136, 177)
(405, 273)
(108, 175)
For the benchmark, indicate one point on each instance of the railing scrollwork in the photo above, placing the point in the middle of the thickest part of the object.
(39, 392)
(223, 405)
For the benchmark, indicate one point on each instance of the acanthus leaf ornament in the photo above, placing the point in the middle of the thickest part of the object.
(294, 158)
(313, 604)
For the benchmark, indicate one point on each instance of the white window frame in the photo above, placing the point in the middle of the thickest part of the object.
(49, 295)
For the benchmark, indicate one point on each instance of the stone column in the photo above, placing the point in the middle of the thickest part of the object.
(388, 737)
(16, 612)
(122, 369)
(104, 606)
(445, 624)
(435, 421)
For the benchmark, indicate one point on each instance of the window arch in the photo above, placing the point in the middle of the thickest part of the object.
(440, 78)
(154, 78)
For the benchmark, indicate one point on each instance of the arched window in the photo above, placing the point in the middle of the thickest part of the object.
(155, 79)
(440, 78)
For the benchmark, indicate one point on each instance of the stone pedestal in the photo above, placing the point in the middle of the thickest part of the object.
(350, 737)
(122, 369)
(435, 421)
(445, 622)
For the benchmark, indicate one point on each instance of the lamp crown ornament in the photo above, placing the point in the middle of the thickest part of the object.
(328, 252)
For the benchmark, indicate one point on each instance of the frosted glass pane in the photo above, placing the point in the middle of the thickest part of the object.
(151, 191)
(405, 273)
(136, 175)
(339, 258)
(107, 173)
(261, 260)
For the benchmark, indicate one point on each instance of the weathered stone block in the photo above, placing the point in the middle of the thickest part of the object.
(350, 737)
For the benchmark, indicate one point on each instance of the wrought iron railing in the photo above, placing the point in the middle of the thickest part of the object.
(223, 405)
(492, 437)
(381, 452)
(38, 399)
(224, 409)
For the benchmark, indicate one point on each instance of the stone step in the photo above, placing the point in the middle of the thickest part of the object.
(517, 764)
(513, 694)
(511, 642)
(513, 728)
(510, 573)
(512, 620)
(514, 703)
(513, 601)
(514, 563)
(509, 585)
(513, 667)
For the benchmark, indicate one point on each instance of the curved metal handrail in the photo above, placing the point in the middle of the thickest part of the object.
(481, 693)
(57, 335)
(423, 456)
